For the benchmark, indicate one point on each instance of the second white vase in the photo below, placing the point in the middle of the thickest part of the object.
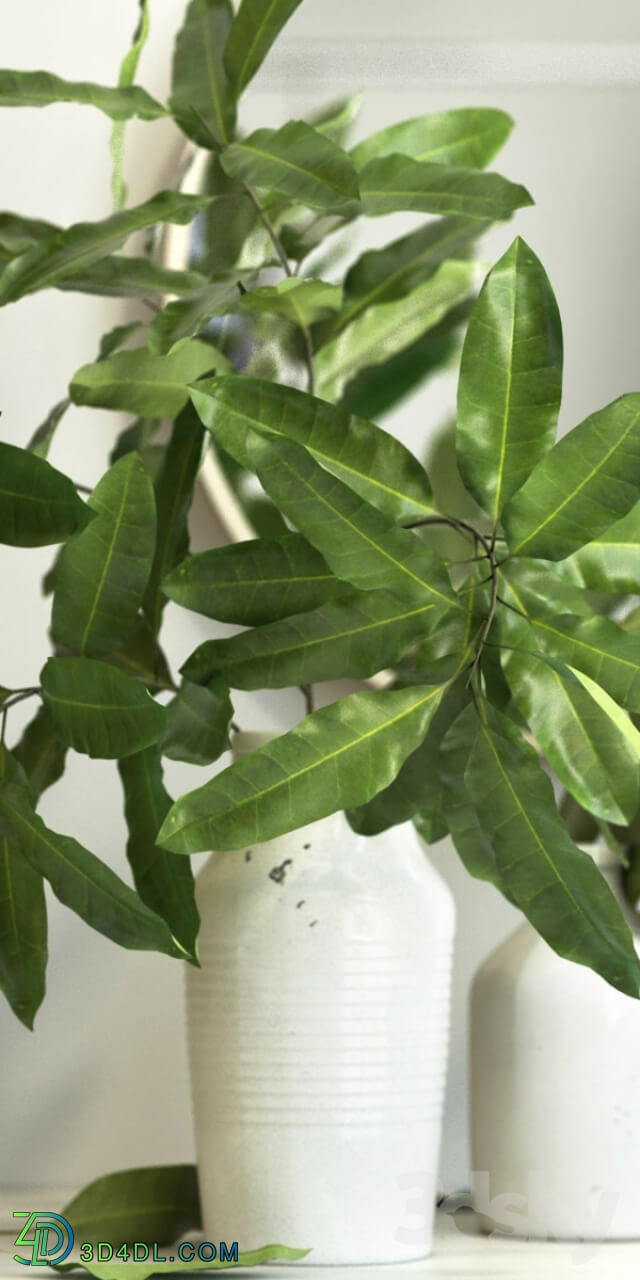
(555, 1092)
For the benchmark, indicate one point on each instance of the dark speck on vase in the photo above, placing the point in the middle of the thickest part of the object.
(278, 873)
(300, 903)
(247, 856)
(311, 923)
(306, 846)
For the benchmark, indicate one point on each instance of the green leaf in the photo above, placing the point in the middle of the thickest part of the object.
(140, 382)
(368, 459)
(98, 710)
(471, 840)
(127, 75)
(40, 753)
(558, 887)
(336, 119)
(588, 481)
(201, 100)
(351, 637)
(468, 137)
(142, 1271)
(591, 757)
(41, 89)
(42, 438)
(251, 583)
(119, 276)
(81, 881)
(198, 725)
(117, 337)
(163, 881)
(158, 1204)
(359, 543)
(398, 182)
(17, 233)
(610, 562)
(104, 569)
(254, 29)
(38, 505)
(174, 490)
(388, 328)
(303, 302)
(73, 249)
(416, 787)
(510, 379)
(541, 587)
(619, 717)
(597, 646)
(336, 758)
(380, 388)
(23, 917)
(390, 273)
(189, 316)
(296, 161)
(141, 656)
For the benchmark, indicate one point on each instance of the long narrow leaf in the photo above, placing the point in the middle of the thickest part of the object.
(23, 916)
(99, 710)
(371, 461)
(597, 646)
(336, 758)
(590, 755)
(510, 379)
(41, 753)
(610, 562)
(296, 161)
(468, 137)
(254, 582)
(397, 182)
(160, 1204)
(103, 571)
(255, 27)
(589, 480)
(558, 887)
(81, 881)
(416, 789)
(357, 541)
(140, 382)
(351, 637)
(174, 489)
(390, 273)
(163, 881)
(38, 504)
(386, 329)
(42, 88)
(73, 249)
(126, 77)
(201, 99)
(198, 722)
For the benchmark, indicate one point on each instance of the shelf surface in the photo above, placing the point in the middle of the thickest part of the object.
(460, 1250)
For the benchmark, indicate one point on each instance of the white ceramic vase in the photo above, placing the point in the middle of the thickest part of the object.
(318, 1032)
(555, 1092)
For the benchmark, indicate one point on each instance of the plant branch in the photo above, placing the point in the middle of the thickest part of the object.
(286, 267)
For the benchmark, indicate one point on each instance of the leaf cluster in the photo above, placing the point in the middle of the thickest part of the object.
(500, 644)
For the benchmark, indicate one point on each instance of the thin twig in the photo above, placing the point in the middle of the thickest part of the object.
(286, 267)
(307, 693)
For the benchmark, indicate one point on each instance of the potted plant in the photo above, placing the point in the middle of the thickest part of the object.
(368, 573)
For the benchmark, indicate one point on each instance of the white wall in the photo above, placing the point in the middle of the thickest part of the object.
(102, 1082)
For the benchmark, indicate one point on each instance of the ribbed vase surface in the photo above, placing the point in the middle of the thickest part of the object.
(318, 1032)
